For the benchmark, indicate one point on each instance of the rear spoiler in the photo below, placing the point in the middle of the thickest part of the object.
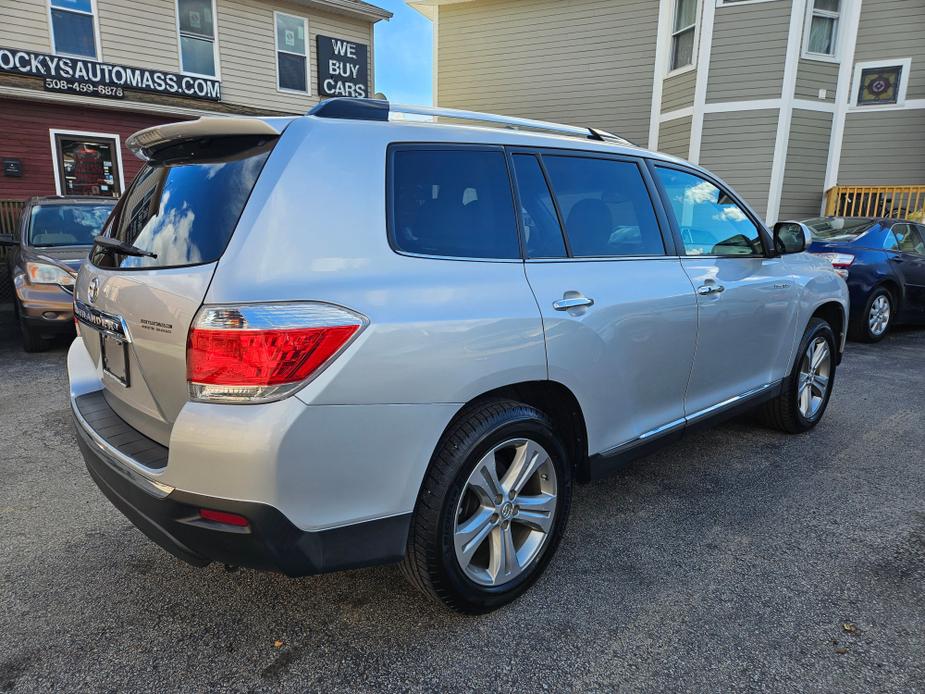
(145, 144)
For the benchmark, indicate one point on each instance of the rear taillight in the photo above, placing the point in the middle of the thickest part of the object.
(840, 261)
(260, 352)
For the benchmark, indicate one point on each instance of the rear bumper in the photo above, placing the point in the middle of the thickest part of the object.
(170, 517)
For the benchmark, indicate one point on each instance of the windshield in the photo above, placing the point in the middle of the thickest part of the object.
(183, 212)
(67, 225)
(838, 228)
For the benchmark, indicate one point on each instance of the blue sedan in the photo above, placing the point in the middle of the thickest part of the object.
(883, 261)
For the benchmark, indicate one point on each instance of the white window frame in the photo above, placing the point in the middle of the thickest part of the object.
(215, 53)
(673, 32)
(306, 55)
(53, 136)
(811, 12)
(738, 3)
(94, 14)
(904, 63)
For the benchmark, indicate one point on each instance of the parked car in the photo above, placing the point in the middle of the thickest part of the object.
(883, 261)
(51, 243)
(403, 340)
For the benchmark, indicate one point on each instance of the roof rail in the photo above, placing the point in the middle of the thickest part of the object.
(379, 110)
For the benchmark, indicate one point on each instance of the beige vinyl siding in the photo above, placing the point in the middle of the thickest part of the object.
(678, 91)
(248, 53)
(25, 25)
(894, 29)
(674, 137)
(739, 147)
(807, 157)
(883, 148)
(588, 62)
(749, 50)
(140, 32)
(144, 33)
(813, 75)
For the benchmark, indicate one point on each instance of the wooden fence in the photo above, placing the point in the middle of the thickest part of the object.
(901, 202)
(9, 215)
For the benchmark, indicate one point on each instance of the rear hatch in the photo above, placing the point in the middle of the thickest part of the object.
(135, 301)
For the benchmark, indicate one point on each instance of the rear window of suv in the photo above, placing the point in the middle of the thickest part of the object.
(184, 209)
(453, 202)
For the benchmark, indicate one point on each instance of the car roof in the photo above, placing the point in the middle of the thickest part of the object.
(71, 200)
(487, 134)
(859, 220)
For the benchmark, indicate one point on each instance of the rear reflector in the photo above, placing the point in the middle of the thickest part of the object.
(223, 517)
(262, 352)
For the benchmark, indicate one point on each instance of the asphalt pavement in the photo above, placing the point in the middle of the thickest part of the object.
(740, 559)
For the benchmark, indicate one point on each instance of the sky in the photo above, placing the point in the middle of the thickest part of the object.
(404, 53)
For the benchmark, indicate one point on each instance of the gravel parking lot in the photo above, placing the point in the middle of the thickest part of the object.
(740, 559)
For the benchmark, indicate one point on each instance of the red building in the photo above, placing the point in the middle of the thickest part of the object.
(71, 150)
(77, 77)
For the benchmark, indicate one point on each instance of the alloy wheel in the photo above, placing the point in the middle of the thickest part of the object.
(815, 376)
(879, 317)
(506, 512)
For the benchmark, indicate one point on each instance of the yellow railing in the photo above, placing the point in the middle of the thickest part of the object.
(9, 215)
(901, 202)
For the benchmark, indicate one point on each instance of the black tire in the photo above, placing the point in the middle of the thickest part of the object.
(783, 412)
(430, 563)
(860, 326)
(32, 341)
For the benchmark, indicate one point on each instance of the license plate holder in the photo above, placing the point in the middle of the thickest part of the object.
(114, 354)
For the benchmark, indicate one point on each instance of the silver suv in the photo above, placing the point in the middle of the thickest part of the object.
(345, 339)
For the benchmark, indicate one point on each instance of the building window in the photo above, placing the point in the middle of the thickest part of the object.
(86, 163)
(291, 53)
(880, 83)
(73, 28)
(683, 33)
(821, 31)
(196, 25)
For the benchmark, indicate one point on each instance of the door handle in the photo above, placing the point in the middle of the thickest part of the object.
(896, 259)
(707, 289)
(573, 302)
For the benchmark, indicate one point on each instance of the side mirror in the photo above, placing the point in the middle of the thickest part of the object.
(8, 240)
(791, 237)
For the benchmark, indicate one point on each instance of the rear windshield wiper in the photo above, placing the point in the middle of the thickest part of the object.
(107, 243)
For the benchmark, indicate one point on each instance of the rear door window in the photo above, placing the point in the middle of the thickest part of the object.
(184, 210)
(453, 202)
(542, 232)
(605, 205)
(909, 239)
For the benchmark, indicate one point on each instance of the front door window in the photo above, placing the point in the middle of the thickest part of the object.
(710, 220)
(87, 165)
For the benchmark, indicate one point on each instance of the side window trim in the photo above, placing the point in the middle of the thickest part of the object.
(668, 240)
(442, 147)
(509, 154)
(763, 233)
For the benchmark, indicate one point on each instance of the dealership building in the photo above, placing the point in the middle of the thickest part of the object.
(802, 105)
(77, 77)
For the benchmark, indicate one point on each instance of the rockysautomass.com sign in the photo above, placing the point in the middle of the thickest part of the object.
(61, 74)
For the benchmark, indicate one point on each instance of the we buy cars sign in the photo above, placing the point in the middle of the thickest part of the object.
(343, 67)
